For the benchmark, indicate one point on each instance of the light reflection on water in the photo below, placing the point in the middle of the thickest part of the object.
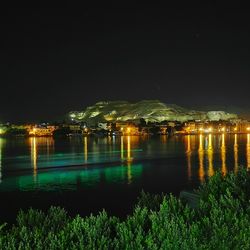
(223, 155)
(54, 180)
(236, 149)
(201, 159)
(248, 151)
(1, 145)
(204, 154)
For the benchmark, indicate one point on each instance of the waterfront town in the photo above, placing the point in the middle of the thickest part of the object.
(135, 127)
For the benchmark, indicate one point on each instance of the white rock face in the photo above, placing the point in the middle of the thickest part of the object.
(220, 115)
(150, 110)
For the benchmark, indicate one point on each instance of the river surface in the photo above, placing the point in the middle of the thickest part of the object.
(85, 175)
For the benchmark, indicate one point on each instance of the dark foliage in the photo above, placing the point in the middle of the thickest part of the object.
(220, 221)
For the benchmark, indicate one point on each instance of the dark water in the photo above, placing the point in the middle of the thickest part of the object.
(87, 174)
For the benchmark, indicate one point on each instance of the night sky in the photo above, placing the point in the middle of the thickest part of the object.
(63, 58)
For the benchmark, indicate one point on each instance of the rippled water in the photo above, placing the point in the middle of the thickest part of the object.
(41, 172)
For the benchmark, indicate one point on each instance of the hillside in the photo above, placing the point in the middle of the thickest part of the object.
(150, 110)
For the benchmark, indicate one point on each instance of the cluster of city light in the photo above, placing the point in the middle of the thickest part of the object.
(33, 131)
(206, 130)
(211, 129)
(222, 129)
(127, 130)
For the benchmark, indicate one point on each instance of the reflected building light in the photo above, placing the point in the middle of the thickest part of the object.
(1, 145)
(223, 155)
(210, 156)
(110, 144)
(206, 143)
(109, 140)
(201, 142)
(33, 144)
(236, 153)
(129, 159)
(129, 148)
(188, 153)
(210, 142)
(85, 149)
(96, 148)
(122, 148)
(164, 139)
(128, 130)
(201, 159)
(164, 142)
(188, 144)
(248, 151)
(129, 174)
(49, 144)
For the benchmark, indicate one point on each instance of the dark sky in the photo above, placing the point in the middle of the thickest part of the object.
(64, 58)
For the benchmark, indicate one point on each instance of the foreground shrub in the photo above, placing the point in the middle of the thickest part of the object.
(150, 201)
(220, 221)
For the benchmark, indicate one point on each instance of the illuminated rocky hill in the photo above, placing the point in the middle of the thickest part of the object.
(150, 110)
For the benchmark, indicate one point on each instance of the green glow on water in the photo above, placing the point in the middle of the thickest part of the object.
(1, 145)
(203, 155)
(66, 179)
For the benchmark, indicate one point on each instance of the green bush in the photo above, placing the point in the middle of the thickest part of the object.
(150, 201)
(220, 221)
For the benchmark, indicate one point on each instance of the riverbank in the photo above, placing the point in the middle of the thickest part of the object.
(220, 221)
(120, 135)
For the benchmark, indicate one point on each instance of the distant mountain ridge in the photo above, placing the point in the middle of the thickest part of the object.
(150, 110)
(242, 112)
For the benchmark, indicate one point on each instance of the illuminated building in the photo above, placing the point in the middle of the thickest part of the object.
(75, 128)
(130, 129)
(103, 125)
(41, 131)
(190, 127)
(163, 129)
